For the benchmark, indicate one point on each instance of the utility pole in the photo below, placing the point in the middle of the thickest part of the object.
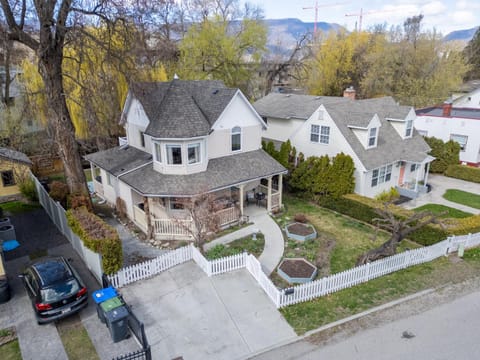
(361, 14)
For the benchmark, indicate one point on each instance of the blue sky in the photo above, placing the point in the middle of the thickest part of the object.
(443, 15)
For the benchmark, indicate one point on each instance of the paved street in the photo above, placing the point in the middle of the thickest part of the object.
(448, 331)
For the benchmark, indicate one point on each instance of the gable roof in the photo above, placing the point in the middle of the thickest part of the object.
(348, 113)
(14, 155)
(182, 108)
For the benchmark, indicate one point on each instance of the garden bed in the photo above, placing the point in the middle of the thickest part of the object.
(300, 232)
(297, 270)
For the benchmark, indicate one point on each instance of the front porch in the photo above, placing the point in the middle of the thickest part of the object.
(413, 178)
(166, 219)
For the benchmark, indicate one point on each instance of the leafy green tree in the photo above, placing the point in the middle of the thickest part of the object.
(224, 50)
(445, 153)
(472, 56)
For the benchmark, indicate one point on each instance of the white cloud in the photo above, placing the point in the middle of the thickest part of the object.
(433, 8)
(463, 17)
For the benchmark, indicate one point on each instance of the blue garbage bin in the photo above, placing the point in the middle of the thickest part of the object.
(100, 296)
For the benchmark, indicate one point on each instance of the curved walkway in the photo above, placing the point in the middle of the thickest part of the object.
(274, 244)
(440, 184)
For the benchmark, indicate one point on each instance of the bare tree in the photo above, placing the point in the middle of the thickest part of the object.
(200, 209)
(399, 229)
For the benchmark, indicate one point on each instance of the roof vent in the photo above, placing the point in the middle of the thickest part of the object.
(288, 95)
(317, 97)
(215, 92)
(175, 77)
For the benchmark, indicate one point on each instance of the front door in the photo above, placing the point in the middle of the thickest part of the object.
(401, 175)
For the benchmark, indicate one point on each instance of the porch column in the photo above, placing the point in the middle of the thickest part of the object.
(242, 198)
(416, 178)
(92, 171)
(269, 195)
(425, 177)
(280, 190)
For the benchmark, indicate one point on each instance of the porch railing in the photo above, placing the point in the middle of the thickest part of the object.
(275, 196)
(140, 218)
(173, 228)
(227, 216)
(98, 187)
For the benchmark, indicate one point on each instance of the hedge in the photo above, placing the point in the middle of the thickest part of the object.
(98, 237)
(464, 172)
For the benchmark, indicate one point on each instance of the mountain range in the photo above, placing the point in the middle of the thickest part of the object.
(284, 33)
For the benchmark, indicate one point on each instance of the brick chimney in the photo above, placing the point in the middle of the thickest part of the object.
(349, 93)
(447, 108)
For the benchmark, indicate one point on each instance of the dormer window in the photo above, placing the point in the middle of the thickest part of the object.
(408, 128)
(372, 137)
(158, 152)
(174, 154)
(236, 138)
(194, 153)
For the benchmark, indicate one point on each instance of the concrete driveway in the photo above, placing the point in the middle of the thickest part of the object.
(440, 184)
(36, 232)
(191, 315)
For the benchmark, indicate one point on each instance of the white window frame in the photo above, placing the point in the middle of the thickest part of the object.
(455, 137)
(315, 133)
(198, 156)
(169, 148)
(158, 152)
(381, 175)
(325, 135)
(372, 137)
(423, 132)
(409, 128)
(236, 131)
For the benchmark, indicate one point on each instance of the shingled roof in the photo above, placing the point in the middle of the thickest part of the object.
(14, 155)
(120, 159)
(182, 108)
(347, 113)
(221, 173)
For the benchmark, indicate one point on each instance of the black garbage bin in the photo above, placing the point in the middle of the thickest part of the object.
(100, 296)
(117, 323)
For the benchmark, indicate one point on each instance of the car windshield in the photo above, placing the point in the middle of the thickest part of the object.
(60, 290)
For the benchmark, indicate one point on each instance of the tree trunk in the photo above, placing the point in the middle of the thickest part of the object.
(387, 249)
(63, 131)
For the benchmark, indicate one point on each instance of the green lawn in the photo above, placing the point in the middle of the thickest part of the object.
(254, 247)
(463, 197)
(61, 176)
(11, 351)
(352, 238)
(447, 211)
(17, 207)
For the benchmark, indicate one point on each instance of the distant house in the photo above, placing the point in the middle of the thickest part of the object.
(14, 166)
(185, 138)
(468, 96)
(449, 122)
(377, 133)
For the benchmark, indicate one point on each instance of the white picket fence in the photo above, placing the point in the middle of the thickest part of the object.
(299, 293)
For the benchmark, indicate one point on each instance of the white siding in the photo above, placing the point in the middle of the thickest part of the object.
(442, 128)
(109, 190)
(125, 193)
(137, 122)
(282, 129)
(471, 100)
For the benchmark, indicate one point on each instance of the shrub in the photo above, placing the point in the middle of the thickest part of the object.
(98, 237)
(79, 200)
(463, 226)
(28, 189)
(445, 153)
(58, 191)
(463, 172)
(388, 196)
(301, 218)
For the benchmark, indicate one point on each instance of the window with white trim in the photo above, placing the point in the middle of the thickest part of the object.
(174, 154)
(177, 204)
(320, 134)
(194, 153)
(381, 175)
(314, 133)
(409, 128)
(236, 138)
(158, 152)
(461, 140)
(372, 137)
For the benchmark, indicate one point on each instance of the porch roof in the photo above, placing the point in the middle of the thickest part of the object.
(120, 159)
(221, 173)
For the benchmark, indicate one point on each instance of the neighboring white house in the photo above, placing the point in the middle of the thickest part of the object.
(469, 97)
(185, 138)
(377, 133)
(448, 122)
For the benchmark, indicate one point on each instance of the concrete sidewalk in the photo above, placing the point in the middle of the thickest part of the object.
(440, 184)
(274, 243)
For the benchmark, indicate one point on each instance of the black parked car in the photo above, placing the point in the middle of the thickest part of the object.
(55, 288)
